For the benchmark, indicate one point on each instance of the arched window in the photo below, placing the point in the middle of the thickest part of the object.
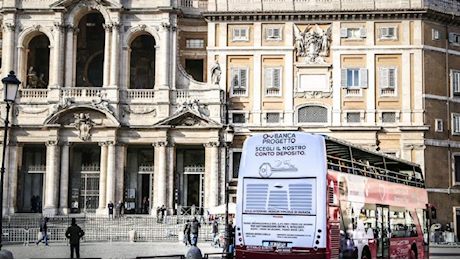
(312, 114)
(142, 64)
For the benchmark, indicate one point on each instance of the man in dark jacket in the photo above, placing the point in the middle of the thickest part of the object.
(194, 229)
(187, 233)
(110, 207)
(44, 230)
(74, 233)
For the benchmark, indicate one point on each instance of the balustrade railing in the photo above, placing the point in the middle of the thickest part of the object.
(36, 168)
(33, 93)
(135, 94)
(90, 168)
(204, 96)
(146, 168)
(83, 92)
(353, 92)
(190, 169)
(388, 92)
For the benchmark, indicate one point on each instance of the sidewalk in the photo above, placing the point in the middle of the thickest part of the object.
(106, 250)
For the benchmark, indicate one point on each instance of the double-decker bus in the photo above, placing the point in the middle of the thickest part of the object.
(312, 196)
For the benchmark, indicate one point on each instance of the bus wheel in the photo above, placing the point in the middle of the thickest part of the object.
(366, 254)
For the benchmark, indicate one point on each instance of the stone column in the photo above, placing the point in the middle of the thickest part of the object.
(6, 180)
(171, 163)
(64, 200)
(51, 178)
(115, 66)
(160, 176)
(120, 165)
(57, 55)
(212, 163)
(103, 181)
(111, 172)
(164, 56)
(69, 61)
(106, 80)
(15, 151)
(8, 48)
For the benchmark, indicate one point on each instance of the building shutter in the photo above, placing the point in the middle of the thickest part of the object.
(383, 31)
(363, 78)
(276, 78)
(343, 32)
(269, 32)
(276, 33)
(235, 81)
(391, 32)
(236, 33)
(243, 33)
(343, 78)
(243, 78)
(392, 78)
(451, 37)
(268, 80)
(363, 32)
(384, 78)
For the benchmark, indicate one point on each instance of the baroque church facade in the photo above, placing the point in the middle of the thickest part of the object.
(124, 100)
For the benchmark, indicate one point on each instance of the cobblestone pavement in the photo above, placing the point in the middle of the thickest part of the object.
(106, 250)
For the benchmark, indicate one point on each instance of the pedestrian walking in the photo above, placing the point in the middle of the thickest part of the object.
(74, 233)
(187, 233)
(110, 207)
(158, 214)
(44, 230)
(163, 213)
(215, 233)
(120, 209)
(194, 229)
(145, 205)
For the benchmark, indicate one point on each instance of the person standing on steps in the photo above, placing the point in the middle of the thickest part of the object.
(74, 233)
(44, 230)
(194, 229)
(110, 207)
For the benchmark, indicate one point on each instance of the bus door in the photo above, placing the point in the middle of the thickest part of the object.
(383, 231)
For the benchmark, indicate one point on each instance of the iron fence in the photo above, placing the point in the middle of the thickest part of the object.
(26, 229)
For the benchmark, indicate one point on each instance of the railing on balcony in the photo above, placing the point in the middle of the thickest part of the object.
(139, 94)
(193, 169)
(90, 168)
(353, 92)
(146, 168)
(36, 169)
(204, 96)
(193, 6)
(33, 93)
(83, 92)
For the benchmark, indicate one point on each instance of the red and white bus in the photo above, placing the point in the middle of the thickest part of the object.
(312, 196)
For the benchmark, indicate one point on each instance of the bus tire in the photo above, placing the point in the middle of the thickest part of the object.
(366, 254)
(413, 252)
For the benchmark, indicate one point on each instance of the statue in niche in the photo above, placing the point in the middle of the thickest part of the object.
(33, 81)
(215, 73)
(313, 46)
(83, 124)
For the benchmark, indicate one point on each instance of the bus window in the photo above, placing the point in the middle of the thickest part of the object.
(402, 223)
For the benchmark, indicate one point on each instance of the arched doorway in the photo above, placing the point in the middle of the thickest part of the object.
(142, 63)
(38, 62)
(90, 51)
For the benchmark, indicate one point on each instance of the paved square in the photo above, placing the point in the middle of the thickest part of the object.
(106, 250)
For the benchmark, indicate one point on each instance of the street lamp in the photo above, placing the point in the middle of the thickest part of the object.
(10, 89)
(228, 138)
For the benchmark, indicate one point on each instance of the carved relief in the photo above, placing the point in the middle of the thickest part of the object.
(139, 111)
(83, 124)
(311, 45)
(195, 105)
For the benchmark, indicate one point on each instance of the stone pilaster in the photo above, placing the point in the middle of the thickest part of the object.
(57, 55)
(120, 170)
(106, 79)
(115, 48)
(8, 48)
(6, 179)
(51, 179)
(212, 177)
(64, 192)
(69, 61)
(103, 181)
(160, 176)
(111, 174)
(164, 56)
(15, 152)
(171, 162)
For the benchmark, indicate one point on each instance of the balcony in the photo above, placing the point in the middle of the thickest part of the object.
(138, 95)
(36, 169)
(194, 169)
(205, 96)
(83, 93)
(33, 94)
(146, 168)
(193, 7)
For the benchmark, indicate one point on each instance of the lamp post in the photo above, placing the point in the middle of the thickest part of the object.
(228, 138)
(10, 89)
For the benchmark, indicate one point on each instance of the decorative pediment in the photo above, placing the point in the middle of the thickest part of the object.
(66, 115)
(66, 3)
(189, 114)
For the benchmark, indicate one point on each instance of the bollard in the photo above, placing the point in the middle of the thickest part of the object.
(5, 254)
(132, 236)
(194, 253)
